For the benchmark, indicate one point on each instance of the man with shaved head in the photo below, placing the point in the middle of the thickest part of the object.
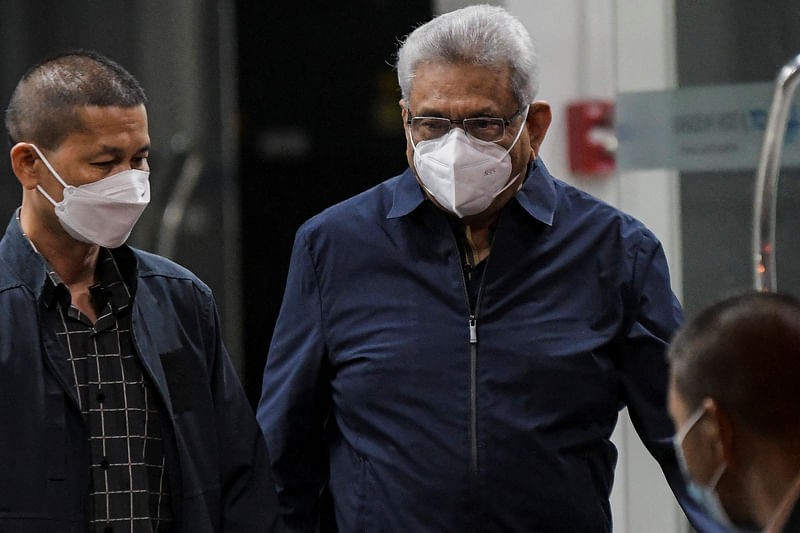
(120, 409)
(735, 370)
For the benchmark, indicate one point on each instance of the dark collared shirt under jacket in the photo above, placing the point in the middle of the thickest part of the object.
(128, 480)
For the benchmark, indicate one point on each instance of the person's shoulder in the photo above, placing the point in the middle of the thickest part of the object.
(153, 266)
(369, 206)
(6, 276)
(579, 207)
(579, 200)
(7, 279)
(16, 270)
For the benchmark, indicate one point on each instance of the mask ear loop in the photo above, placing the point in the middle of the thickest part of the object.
(689, 424)
(692, 421)
(410, 131)
(521, 127)
(519, 133)
(52, 171)
(712, 485)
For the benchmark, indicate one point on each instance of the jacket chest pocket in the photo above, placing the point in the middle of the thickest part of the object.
(181, 379)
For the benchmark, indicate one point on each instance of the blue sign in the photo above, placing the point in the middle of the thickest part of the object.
(700, 128)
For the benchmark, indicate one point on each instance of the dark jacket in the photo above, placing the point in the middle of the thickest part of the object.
(216, 458)
(416, 416)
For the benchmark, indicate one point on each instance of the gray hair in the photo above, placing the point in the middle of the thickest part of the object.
(483, 35)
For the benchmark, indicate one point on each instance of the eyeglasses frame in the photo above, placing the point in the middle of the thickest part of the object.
(506, 123)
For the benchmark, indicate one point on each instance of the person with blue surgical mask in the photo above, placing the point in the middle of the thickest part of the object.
(734, 373)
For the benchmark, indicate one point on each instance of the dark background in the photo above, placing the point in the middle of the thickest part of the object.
(261, 115)
(319, 79)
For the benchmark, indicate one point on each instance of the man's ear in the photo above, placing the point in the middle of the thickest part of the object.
(24, 164)
(537, 122)
(721, 432)
(404, 113)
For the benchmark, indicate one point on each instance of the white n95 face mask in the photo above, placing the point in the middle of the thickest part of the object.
(464, 175)
(103, 212)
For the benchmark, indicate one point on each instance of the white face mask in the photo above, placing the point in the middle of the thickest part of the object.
(103, 212)
(462, 174)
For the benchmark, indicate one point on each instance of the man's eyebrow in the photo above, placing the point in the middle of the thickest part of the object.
(117, 151)
(482, 113)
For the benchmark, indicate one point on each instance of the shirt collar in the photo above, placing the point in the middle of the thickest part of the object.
(111, 287)
(537, 196)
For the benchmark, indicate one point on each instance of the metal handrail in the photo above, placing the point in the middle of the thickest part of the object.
(766, 189)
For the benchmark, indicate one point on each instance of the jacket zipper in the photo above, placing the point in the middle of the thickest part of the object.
(472, 323)
(473, 416)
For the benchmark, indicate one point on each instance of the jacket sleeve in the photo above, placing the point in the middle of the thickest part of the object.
(644, 370)
(295, 400)
(248, 499)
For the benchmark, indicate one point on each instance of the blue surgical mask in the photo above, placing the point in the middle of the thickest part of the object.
(705, 496)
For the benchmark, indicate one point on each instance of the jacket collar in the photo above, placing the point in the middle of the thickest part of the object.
(30, 269)
(537, 195)
(27, 267)
(408, 195)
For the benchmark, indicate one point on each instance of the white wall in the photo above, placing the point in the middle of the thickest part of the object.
(593, 49)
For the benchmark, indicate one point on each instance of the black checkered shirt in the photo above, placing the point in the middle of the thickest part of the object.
(128, 480)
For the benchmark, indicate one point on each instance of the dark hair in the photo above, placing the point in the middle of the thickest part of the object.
(745, 353)
(44, 107)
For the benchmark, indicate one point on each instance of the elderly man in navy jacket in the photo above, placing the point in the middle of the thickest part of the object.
(120, 410)
(455, 344)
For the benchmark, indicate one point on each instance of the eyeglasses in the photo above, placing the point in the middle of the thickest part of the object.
(488, 129)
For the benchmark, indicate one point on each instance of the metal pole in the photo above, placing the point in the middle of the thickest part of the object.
(764, 202)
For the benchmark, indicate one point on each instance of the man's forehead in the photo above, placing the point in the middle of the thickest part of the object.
(109, 130)
(480, 87)
(472, 105)
(101, 115)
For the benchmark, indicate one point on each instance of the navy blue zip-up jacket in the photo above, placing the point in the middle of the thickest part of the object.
(382, 390)
(216, 457)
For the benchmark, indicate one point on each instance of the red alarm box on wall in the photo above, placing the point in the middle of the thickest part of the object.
(591, 137)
